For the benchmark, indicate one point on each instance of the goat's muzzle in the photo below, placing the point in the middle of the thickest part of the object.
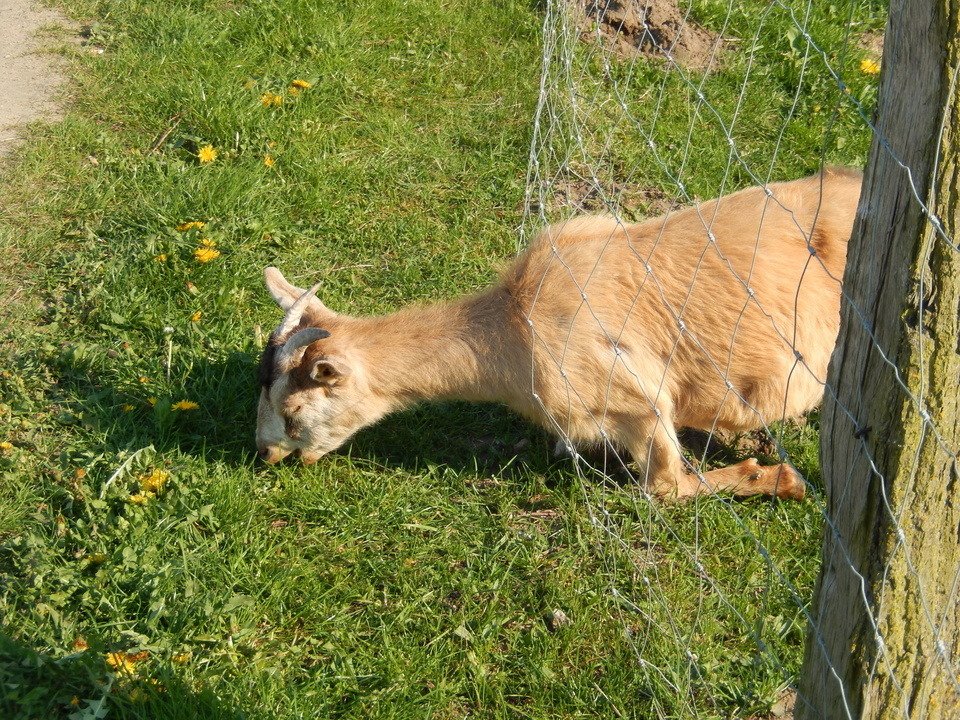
(271, 454)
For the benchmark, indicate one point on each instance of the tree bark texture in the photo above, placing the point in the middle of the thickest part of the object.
(885, 634)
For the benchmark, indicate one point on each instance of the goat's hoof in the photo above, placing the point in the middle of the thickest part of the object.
(789, 484)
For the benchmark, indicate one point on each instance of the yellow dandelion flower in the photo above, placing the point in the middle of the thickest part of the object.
(205, 254)
(80, 644)
(207, 242)
(122, 662)
(268, 160)
(181, 658)
(139, 498)
(196, 316)
(869, 67)
(207, 154)
(75, 701)
(161, 258)
(79, 473)
(6, 446)
(143, 379)
(184, 405)
(300, 84)
(191, 225)
(294, 91)
(127, 407)
(271, 99)
(151, 401)
(153, 482)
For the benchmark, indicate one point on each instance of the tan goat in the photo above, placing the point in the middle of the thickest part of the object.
(601, 332)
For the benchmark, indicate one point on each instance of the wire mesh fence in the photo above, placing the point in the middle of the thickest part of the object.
(648, 109)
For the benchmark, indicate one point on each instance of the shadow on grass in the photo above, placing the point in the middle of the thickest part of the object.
(221, 425)
(81, 687)
(490, 439)
(483, 439)
(466, 437)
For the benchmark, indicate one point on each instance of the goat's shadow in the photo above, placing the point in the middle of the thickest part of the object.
(217, 420)
(489, 439)
(484, 439)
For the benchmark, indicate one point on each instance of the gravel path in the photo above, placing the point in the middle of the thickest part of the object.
(30, 80)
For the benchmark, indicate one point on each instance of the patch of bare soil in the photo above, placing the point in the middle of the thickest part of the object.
(872, 43)
(782, 709)
(630, 201)
(587, 196)
(654, 29)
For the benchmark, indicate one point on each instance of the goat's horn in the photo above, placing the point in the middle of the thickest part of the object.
(293, 346)
(295, 313)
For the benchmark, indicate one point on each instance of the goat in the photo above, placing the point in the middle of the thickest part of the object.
(722, 315)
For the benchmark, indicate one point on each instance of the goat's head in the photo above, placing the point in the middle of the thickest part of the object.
(311, 392)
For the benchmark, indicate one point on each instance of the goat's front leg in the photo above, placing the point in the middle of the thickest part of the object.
(751, 478)
(653, 443)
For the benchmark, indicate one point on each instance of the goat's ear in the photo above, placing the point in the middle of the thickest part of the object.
(329, 371)
(286, 294)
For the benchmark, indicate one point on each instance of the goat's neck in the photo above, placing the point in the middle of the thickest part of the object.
(450, 350)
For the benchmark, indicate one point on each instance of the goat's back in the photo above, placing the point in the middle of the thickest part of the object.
(667, 311)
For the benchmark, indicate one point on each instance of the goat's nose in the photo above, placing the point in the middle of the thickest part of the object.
(269, 454)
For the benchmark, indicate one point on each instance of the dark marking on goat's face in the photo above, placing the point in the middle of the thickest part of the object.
(267, 372)
(293, 425)
(298, 412)
(299, 376)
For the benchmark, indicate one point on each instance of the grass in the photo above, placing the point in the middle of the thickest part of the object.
(418, 572)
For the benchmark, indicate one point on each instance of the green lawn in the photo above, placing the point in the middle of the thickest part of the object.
(417, 572)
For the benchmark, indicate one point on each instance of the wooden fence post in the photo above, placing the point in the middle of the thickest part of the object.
(885, 637)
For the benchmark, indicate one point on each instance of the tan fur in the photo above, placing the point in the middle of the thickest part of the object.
(582, 339)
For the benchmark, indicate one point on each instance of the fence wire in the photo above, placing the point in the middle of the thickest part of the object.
(628, 127)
